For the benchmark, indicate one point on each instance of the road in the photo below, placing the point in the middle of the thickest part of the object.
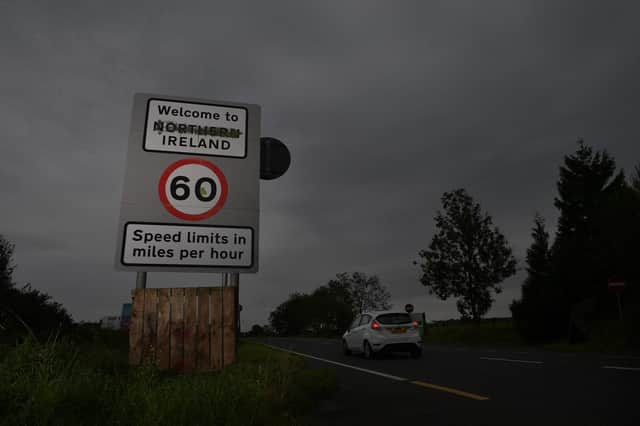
(453, 385)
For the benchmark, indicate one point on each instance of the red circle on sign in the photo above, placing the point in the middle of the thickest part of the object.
(224, 188)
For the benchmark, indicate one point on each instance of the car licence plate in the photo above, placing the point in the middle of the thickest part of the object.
(398, 330)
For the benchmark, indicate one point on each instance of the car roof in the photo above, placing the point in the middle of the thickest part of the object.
(376, 313)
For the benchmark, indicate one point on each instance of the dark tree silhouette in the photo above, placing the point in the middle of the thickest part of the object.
(635, 179)
(587, 182)
(6, 265)
(330, 308)
(468, 257)
(26, 309)
(536, 315)
(363, 292)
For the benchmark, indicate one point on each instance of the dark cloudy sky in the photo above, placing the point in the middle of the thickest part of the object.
(384, 105)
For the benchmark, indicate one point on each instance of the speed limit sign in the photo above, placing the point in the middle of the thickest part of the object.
(192, 189)
(191, 194)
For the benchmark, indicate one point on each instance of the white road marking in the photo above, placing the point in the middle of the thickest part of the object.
(622, 357)
(613, 367)
(511, 360)
(364, 370)
(387, 376)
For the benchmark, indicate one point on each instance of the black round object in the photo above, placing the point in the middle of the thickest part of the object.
(274, 158)
(408, 307)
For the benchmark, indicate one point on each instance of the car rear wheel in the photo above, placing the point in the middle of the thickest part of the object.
(367, 351)
(345, 348)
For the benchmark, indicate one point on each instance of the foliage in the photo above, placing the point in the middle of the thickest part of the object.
(536, 315)
(6, 265)
(61, 383)
(330, 308)
(364, 293)
(468, 257)
(25, 309)
(256, 330)
(635, 179)
(588, 188)
(596, 240)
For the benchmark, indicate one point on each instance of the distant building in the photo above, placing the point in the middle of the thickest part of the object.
(111, 322)
(125, 317)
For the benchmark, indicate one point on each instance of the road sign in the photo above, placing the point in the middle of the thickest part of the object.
(191, 192)
(275, 158)
(408, 307)
(616, 286)
(192, 189)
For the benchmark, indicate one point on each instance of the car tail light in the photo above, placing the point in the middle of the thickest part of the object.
(375, 325)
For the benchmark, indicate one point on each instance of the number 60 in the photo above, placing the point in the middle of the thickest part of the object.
(180, 190)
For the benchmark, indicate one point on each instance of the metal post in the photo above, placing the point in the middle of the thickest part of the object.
(619, 306)
(141, 280)
(232, 279)
(235, 282)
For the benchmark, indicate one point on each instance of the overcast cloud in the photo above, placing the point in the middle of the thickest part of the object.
(384, 106)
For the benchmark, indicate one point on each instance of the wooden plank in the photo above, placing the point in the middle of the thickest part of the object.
(190, 324)
(203, 357)
(135, 327)
(216, 328)
(229, 325)
(150, 325)
(177, 329)
(163, 354)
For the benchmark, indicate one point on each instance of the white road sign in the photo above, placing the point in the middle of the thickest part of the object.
(195, 128)
(193, 189)
(191, 193)
(193, 245)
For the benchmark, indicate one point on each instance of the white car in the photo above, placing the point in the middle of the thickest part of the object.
(374, 332)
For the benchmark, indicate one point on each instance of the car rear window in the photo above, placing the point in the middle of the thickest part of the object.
(398, 318)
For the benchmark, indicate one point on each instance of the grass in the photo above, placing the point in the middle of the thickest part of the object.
(605, 336)
(493, 331)
(88, 381)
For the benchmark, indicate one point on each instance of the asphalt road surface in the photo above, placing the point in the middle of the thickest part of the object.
(453, 385)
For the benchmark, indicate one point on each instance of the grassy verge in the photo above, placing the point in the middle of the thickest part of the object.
(89, 382)
(604, 337)
(493, 331)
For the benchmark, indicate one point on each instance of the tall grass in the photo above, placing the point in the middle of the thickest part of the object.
(605, 336)
(89, 383)
(491, 331)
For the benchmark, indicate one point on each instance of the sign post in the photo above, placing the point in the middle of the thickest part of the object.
(190, 204)
(617, 286)
(191, 191)
(141, 280)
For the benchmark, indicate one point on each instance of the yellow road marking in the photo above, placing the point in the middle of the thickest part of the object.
(450, 390)
(388, 376)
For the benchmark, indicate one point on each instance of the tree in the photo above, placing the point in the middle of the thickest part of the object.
(26, 309)
(467, 258)
(580, 259)
(535, 314)
(6, 266)
(291, 316)
(256, 330)
(330, 308)
(323, 312)
(364, 293)
(635, 179)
